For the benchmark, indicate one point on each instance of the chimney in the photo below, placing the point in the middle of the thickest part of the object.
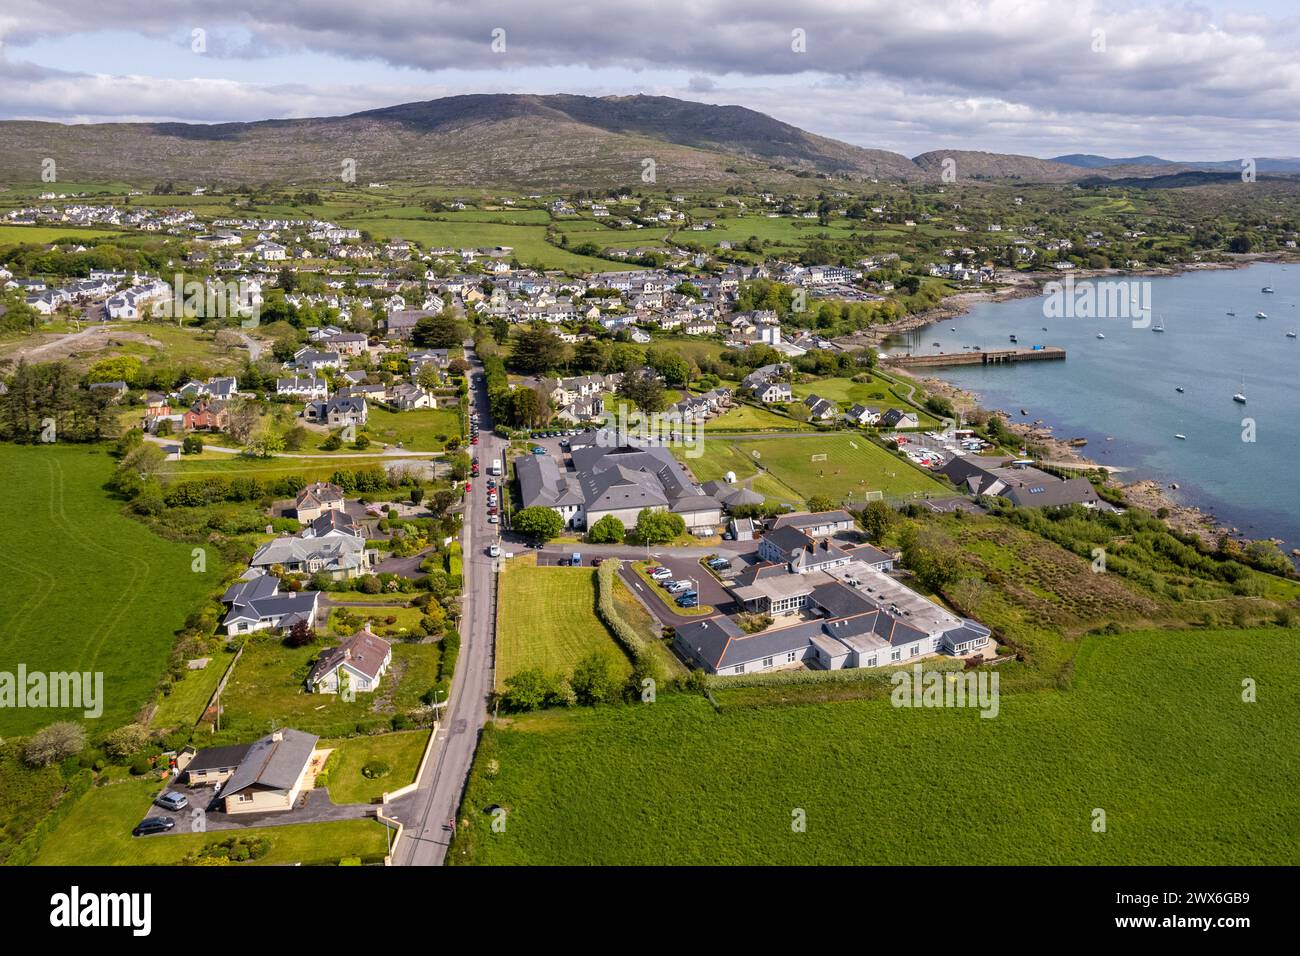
(278, 736)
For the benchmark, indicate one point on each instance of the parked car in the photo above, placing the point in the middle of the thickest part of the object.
(688, 602)
(660, 574)
(595, 562)
(153, 825)
(494, 551)
(171, 800)
(539, 450)
(677, 587)
(493, 519)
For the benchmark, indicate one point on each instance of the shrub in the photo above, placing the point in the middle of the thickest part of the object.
(376, 769)
(125, 741)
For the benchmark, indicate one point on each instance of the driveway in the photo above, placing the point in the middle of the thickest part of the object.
(661, 603)
(313, 806)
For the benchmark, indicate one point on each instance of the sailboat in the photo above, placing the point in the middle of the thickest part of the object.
(1267, 290)
(1232, 313)
(1291, 334)
(1260, 315)
(1240, 397)
(1179, 389)
(1100, 335)
(1159, 326)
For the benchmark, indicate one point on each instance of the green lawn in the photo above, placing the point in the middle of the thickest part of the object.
(230, 466)
(548, 620)
(267, 688)
(1153, 731)
(85, 588)
(426, 429)
(98, 833)
(528, 241)
(401, 751)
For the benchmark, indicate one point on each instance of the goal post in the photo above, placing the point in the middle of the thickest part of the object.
(816, 458)
(873, 496)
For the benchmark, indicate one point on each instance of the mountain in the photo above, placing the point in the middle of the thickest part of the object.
(555, 142)
(1264, 164)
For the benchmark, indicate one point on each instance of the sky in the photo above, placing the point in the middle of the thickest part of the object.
(1181, 80)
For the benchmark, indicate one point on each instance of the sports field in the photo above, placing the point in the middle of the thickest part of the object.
(85, 588)
(1153, 733)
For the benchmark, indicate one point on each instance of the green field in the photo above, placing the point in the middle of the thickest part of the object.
(425, 429)
(98, 833)
(1153, 731)
(45, 234)
(312, 467)
(84, 587)
(401, 751)
(747, 418)
(183, 707)
(548, 619)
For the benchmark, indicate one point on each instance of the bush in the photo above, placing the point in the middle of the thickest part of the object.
(376, 769)
(141, 766)
(125, 741)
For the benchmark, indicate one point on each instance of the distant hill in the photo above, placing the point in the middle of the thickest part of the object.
(556, 142)
(1262, 164)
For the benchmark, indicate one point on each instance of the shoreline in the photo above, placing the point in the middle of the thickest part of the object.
(1147, 494)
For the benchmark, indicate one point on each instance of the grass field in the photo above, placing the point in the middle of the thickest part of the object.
(1153, 731)
(98, 833)
(746, 418)
(425, 429)
(401, 751)
(228, 466)
(267, 689)
(183, 707)
(45, 234)
(548, 620)
(84, 587)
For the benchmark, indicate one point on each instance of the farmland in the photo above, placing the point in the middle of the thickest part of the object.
(1153, 731)
(133, 590)
(548, 620)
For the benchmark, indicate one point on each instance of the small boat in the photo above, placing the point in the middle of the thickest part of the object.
(1100, 335)
(1158, 328)
(1181, 437)
(1023, 412)
(1044, 328)
(1260, 315)
(1013, 338)
(1179, 389)
(1267, 290)
(1077, 442)
(1239, 398)
(1291, 334)
(1232, 313)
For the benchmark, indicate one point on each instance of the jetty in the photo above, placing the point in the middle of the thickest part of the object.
(1045, 353)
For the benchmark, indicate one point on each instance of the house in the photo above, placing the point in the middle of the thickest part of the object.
(741, 529)
(265, 776)
(337, 411)
(316, 499)
(116, 391)
(401, 324)
(772, 392)
(346, 343)
(341, 557)
(1019, 483)
(357, 665)
(800, 552)
(313, 361)
(862, 415)
(732, 496)
(766, 384)
(897, 418)
(820, 409)
(256, 604)
(206, 415)
(308, 387)
(409, 397)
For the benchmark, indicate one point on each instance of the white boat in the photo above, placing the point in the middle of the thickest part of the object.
(1267, 290)
(1291, 334)
(1179, 389)
(1181, 437)
(1240, 397)
(1260, 315)
(1159, 326)
(1100, 335)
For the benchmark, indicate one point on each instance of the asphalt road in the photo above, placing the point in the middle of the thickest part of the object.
(427, 812)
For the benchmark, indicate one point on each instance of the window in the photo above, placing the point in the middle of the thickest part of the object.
(790, 658)
(767, 662)
(740, 669)
(896, 655)
(871, 662)
(916, 649)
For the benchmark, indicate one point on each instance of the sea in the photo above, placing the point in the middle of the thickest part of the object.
(1238, 462)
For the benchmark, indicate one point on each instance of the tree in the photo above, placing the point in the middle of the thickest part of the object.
(935, 563)
(538, 522)
(417, 495)
(658, 527)
(537, 349)
(608, 530)
(192, 445)
(54, 744)
(242, 418)
(527, 408)
(526, 690)
(428, 378)
(301, 634)
(643, 389)
(877, 519)
(441, 331)
(593, 682)
(820, 503)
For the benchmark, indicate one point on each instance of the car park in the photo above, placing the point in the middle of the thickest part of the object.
(153, 825)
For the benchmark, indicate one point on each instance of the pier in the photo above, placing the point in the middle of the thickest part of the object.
(1047, 353)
